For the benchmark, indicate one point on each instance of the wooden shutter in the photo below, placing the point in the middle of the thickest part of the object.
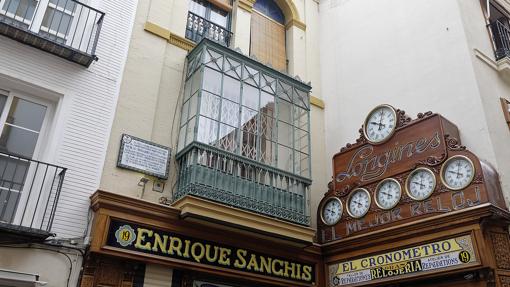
(267, 41)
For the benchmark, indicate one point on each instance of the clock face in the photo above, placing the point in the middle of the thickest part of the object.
(358, 203)
(380, 124)
(457, 172)
(332, 211)
(387, 193)
(420, 183)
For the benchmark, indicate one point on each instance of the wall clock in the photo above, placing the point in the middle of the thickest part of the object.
(358, 202)
(331, 211)
(457, 172)
(420, 183)
(380, 124)
(388, 193)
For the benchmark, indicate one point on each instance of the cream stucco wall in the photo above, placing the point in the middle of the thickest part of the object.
(149, 99)
(415, 55)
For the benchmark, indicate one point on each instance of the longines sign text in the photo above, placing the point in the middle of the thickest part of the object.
(151, 241)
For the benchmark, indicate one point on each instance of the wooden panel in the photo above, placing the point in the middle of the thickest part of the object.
(268, 41)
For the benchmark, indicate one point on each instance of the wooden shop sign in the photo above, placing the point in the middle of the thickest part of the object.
(369, 163)
(427, 258)
(155, 242)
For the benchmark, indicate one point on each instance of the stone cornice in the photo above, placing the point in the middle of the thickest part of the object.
(297, 23)
(246, 5)
(172, 38)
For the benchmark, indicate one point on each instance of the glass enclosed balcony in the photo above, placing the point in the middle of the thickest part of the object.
(244, 135)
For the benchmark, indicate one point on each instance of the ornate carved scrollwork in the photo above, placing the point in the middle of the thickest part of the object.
(478, 178)
(424, 115)
(433, 160)
(453, 144)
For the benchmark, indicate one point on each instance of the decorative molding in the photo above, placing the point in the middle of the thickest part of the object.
(222, 4)
(501, 245)
(502, 65)
(246, 5)
(317, 102)
(197, 208)
(156, 30)
(171, 38)
(181, 42)
(297, 23)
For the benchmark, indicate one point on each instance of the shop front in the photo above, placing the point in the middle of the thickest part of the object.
(129, 234)
(411, 206)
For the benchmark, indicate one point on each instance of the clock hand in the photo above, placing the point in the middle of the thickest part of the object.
(419, 183)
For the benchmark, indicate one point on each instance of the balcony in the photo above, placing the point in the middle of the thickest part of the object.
(198, 28)
(29, 193)
(66, 28)
(501, 39)
(244, 136)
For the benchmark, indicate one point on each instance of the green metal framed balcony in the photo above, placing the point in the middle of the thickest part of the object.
(244, 137)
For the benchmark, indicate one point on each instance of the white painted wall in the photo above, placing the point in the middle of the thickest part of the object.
(85, 101)
(414, 55)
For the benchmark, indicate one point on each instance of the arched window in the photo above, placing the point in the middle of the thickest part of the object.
(267, 41)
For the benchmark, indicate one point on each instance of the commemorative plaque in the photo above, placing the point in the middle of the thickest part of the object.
(144, 156)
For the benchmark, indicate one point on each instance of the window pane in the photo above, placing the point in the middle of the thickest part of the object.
(210, 105)
(267, 104)
(301, 118)
(197, 81)
(249, 145)
(249, 120)
(212, 81)
(198, 7)
(18, 141)
(267, 151)
(230, 113)
(193, 106)
(228, 138)
(3, 99)
(69, 4)
(284, 111)
(207, 131)
(267, 127)
(56, 21)
(219, 17)
(301, 140)
(231, 89)
(302, 164)
(190, 128)
(285, 134)
(184, 113)
(26, 114)
(285, 158)
(250, 97)
(21, 8)
(182, 138)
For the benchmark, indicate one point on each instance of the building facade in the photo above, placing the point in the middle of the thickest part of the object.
(61, 63)
(226, 150)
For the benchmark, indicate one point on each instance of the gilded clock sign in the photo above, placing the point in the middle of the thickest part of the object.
(400, 169)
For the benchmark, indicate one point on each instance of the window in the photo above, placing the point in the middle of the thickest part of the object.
(22, 122)
(207, 20)
(55, 19)
(499, 23)
(247, 112)
(267, 40)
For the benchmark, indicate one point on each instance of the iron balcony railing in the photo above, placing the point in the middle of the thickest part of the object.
(29, 193)
(198, 28)
(220, 176)
(501, 39)
(68, 24)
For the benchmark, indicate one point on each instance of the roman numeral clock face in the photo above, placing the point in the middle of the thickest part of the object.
(358, 203)
(380, 124)
(420, 183)
(332, 211)
(457, 172)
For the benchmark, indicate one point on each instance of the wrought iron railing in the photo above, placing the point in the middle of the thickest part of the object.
(501, 39)
(233, 180)
(29, 192)
(198, 28)
(69, 23)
